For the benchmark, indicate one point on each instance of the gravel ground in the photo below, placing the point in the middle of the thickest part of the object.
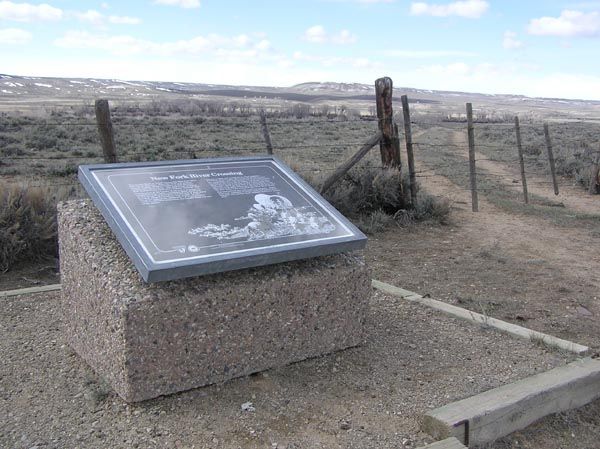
(366, 397)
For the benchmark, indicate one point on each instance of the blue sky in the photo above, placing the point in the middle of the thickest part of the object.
(547, 48)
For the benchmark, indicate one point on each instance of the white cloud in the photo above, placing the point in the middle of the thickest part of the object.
(91, 16)
(241, 40)
(240, 46)
(188, 4)
(510, 41)
(343, 37)
(594, 5)
(318, 35)
(514, 78)
(181, 70)
(98, 19)
(14, 36)
(472, 9)
(484, 78)
(570, 23)
(566, 85)
(337, 61)
(424, 54)
(25, 12)
(263, 45)
(454, 69)
(315, 34)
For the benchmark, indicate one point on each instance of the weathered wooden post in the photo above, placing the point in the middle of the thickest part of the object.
(409, 150)
(389, 144)
(521, 160)
(105, 130)
(594, 174)
(265, 131)
(472, 171)
(551, 158)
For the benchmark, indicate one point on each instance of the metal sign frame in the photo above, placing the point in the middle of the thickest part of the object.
(132, 236)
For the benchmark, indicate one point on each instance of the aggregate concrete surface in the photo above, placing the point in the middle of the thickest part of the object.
(371, 396)
(160, 338)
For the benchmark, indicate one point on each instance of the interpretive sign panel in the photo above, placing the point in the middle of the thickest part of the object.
(185, 218)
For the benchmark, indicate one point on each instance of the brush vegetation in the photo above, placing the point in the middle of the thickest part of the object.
(28, 229)
(46, 149)
(376, 198)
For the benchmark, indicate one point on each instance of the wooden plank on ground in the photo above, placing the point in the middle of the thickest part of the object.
(448, 443)
(509, 328)
(501, 411)
(30, 290)
(392, 290)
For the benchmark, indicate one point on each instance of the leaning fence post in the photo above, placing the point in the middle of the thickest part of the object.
(265, 131)
(521, 161)
(594, 174)
(472, 172)
(551, 158)
(389, 145)
(346, 166)
(409, 150)
(105, 130)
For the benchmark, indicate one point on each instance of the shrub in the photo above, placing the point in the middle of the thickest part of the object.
(426, 209)
(376, 198)
(374, 222)
(67, 170)
(40, 141)
(28, 229)
(11, 150)
(7, 140)
(366, 189)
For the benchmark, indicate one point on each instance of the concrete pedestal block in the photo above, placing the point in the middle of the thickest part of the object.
(148, 340)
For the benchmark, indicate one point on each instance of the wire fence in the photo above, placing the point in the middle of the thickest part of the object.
(46, 152)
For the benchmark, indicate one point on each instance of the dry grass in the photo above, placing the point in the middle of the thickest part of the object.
(575, 147)
(49, 148)
(46, 150)
(27, 224)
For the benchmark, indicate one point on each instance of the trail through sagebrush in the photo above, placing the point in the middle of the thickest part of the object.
(570, 249)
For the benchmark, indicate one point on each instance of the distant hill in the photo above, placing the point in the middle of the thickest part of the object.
(25, 89)
(343, 88)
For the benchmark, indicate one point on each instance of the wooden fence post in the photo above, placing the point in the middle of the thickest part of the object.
(105, 130)
(521, 161)
(594, 174)
(265, 131)
(409, 150)
(389, 144)
(343, 169)
(472, 172)
(551, 158)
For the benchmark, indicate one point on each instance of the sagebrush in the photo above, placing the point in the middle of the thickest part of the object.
(28, 229)
(375, 198)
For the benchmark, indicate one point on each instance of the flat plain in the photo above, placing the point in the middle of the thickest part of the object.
(536, 265)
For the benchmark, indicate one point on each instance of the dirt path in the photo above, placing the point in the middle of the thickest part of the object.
(531, 237)
(572, 197)
(518, 267)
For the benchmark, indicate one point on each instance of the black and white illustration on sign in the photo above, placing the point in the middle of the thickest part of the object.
(187, 211)
(271, 216)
